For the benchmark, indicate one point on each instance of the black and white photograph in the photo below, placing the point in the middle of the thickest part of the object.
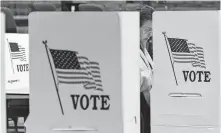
(110, 66)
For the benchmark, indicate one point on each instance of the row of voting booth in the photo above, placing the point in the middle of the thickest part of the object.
(82, 74)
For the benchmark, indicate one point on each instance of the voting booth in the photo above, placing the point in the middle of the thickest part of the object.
(17, 63)
(84, 74)
(186, 94)
(16, 48)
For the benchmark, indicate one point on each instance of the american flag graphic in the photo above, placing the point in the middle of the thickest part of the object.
(17, 51)
(72, 68)
(184, 52)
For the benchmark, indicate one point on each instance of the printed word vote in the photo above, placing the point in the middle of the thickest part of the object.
(197, 76)
(23, 68)
(95, 102)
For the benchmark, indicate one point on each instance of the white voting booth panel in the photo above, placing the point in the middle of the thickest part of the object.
(2, 78)
(79, 81)
(17, 63)
(186, 92)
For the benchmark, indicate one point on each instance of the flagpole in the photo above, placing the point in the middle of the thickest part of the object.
(46, 48)
(172, 63)
(11, 57)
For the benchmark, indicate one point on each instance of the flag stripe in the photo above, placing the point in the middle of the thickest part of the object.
(76, 77)
(82, 80)
(183, 61)
(71, 82)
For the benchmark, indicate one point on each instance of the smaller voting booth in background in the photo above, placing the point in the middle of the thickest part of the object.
(17, 63)
(14, 79)
(186, 94)
(84, 74)
(16, 57)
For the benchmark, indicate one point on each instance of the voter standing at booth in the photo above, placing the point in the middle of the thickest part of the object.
(146, 69)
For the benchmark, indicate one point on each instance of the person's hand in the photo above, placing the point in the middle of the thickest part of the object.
(146, 80)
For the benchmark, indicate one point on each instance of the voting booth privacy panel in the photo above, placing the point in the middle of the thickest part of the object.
(17, 63)
(77, 75)
(186, 91)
